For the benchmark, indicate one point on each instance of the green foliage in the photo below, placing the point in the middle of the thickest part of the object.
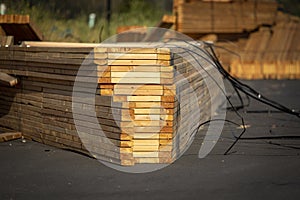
(138, 12)
(291, 6)
(68, 20)
(74, 28)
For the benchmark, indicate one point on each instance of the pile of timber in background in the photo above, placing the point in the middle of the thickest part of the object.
(271, 52)
(20, 27)
(146, 34)
(142, 104)
(131, 33)
(264, 39)
(198, 17)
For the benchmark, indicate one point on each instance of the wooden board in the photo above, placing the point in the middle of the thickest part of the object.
(7, 79)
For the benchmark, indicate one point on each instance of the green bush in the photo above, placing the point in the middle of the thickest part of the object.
(56, 27)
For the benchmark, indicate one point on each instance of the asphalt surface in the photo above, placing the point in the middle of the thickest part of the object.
(254, 169)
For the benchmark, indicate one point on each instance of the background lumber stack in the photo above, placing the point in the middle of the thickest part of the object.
(20, 27)
(270, 53)
(142, 103)
(201, 17)
(131, 33)
(257, 40)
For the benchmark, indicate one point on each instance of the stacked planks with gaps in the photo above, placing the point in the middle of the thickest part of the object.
(142, 100)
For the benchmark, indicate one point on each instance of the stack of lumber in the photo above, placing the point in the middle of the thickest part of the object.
(159, 115)
(142, 99)
(198, 17)
(142, 33)
(122, 29)
(20, 27)
(167, 21)
(227, 52)
(271, 53)
(257, 41)
(131, 33)
(40, 106)
(158, 34)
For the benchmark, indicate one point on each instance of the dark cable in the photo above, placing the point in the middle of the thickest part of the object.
(215, 64)
(239, 86)
(248, 90)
